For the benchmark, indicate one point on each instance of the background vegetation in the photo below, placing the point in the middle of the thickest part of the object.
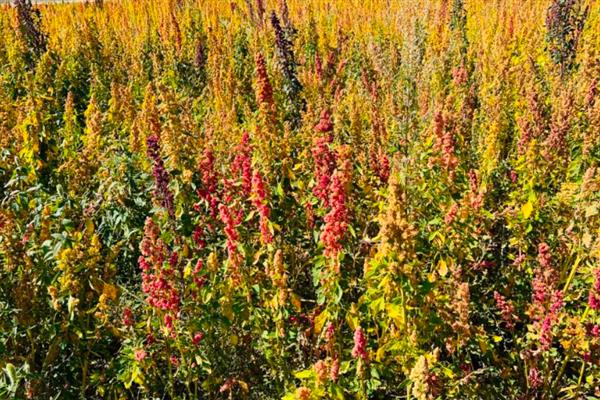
(324, 199)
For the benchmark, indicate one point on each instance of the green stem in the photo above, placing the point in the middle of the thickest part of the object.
(563, 367)
(171, 380)
(85, 366)
(571, 274)
(403, 309)
(581, 371)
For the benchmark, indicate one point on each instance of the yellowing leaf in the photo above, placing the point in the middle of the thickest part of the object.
(483, 345)
(442, 268)
(243, 385)
(377, 305)
(274, 302)
(89, 227)
(307, 373)
(431, 277)
(380, 354)
(586, 239)
(394, 311)
(296, 302)
(320, 321)
(591, 211)
(187, 271)
(137, 376)
(352, 321)
(527, 209)
(448, 372)
(110, 291)
(226, 310)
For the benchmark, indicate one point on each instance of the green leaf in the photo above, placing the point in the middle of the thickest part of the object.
(11, 372)
(336, 391)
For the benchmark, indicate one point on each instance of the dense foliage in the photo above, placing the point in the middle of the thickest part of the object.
(316, 199)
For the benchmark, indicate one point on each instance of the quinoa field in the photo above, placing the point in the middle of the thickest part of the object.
(300, 200)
